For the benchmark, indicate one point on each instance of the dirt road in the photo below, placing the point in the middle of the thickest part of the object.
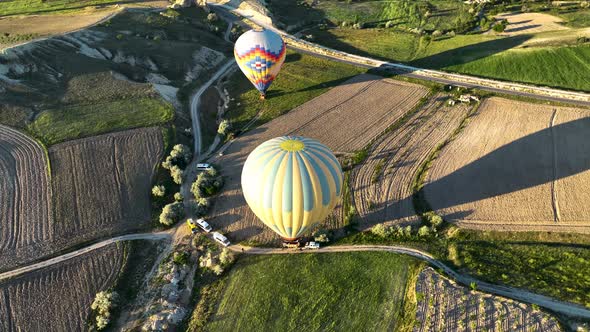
(508, 292)
(70, 255)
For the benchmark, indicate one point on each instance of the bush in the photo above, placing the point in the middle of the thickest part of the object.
(171, 213)
(178, 197)
(499, 27)
(226, 257)
(389, 24)
(380, 230)
(212, 17)
(158, 191)
(224, 127)
(434, 219)
(218, 270)
(180, 258)
(437, 33)
(120, 36)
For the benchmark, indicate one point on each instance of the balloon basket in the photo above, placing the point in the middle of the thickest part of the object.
(262, 97)
(292, 243)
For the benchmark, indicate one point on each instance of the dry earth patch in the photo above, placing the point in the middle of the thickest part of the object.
(527, 23)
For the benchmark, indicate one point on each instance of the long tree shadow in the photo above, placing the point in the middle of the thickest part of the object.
(521, 164)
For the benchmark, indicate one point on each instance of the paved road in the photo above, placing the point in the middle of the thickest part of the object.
(70, 255)
(510, 88)
(196, 100)
(508, 292)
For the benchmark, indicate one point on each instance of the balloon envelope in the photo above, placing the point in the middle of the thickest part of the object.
(291, 183)
(260, 54)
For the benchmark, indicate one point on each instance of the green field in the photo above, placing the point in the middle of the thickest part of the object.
(362, 291)
(29, 7)
(302, 78)
(556, 265)
(480, 55)
(58, 125)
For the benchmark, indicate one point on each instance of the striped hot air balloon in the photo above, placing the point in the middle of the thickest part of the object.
(260, 55)
(291, 183)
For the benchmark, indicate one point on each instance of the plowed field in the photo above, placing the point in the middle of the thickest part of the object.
(446, 306)
(25, 198)
(58, 298)
(516, 166)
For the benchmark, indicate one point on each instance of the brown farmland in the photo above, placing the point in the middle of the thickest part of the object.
(25, 197)
(516, 166)
(446, 306)
(383, 184)
(58, 298)
(101, 185)
(344, 118)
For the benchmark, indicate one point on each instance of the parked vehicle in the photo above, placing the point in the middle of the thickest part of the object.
(312, 245)
(204, 225)
(192, 225)
(221, 239)
(204, 167)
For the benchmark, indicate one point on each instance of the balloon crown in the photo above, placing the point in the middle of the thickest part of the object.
(292, 145)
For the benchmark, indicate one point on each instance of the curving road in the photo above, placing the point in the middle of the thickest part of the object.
(196, 100)
(70, 255)
(568, 309)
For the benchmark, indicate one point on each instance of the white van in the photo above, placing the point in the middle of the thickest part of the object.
(204, 167)
(221, 239)
(204, 225)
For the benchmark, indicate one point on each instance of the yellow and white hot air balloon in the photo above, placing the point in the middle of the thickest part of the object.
(292, 183)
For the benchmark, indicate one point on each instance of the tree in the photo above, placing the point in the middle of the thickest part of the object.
(171, 213)
(437, 33)
(176, 174)
(223, 128)
(178, 197)
(158, 191)
(102, 304)
(423, 231)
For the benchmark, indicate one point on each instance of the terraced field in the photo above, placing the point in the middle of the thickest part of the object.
(516, 166)
(446, 306)
(382, 184)
(102, 184)
(58, 298)
(25, 197)
(339, 118)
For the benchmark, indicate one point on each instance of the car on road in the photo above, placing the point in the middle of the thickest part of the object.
(204, 225)
(192, 225)
(312, 245)
(204, 167)
(221, 239)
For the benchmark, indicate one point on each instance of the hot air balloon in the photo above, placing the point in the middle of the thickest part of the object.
(260, 55)
(291, 183)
